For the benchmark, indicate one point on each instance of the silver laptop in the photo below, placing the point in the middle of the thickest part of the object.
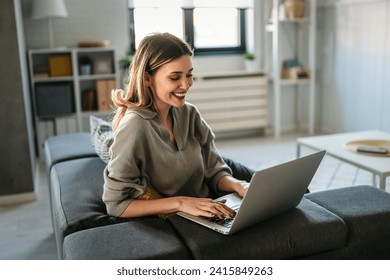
(271, 192)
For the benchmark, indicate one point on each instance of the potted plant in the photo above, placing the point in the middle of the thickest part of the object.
(126, 61)
(249, 60)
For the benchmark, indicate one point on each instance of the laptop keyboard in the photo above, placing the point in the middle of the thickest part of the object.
(225, 222)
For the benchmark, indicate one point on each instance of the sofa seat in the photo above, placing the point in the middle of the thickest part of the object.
(306, 229)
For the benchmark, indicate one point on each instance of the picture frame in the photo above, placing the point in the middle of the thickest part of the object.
(102, 65)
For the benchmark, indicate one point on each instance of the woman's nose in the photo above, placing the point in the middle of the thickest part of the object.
(185, 84)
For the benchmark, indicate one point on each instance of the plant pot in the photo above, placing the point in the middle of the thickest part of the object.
(250, 65)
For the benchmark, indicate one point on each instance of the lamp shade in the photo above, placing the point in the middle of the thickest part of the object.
(48, 8)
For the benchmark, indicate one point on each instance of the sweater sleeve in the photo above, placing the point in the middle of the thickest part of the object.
(122, 176)
(215, 166)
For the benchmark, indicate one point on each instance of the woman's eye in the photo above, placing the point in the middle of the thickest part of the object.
(174, 78)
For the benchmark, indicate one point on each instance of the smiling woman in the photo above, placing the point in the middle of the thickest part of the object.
(162, 145)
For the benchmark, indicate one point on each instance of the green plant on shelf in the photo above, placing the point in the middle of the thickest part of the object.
(126, 61)
(249, 56)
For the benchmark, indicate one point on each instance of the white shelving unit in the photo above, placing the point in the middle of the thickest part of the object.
(278, 28)
(60, 108)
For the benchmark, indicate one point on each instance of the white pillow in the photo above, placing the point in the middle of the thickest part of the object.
(102, 137)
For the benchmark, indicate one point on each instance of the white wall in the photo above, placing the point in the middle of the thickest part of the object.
(354, 65)
(353, 54)
(88, 20)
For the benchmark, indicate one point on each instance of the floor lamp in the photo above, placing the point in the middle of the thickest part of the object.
(42, 9)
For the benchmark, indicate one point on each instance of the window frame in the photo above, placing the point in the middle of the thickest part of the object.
(188, 29)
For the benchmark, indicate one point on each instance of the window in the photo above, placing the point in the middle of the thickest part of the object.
(217, 29)
(148, 20)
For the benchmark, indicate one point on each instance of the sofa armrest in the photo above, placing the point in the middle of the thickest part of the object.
(366, 211)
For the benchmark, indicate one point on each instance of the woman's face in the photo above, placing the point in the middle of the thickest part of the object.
(170, 83)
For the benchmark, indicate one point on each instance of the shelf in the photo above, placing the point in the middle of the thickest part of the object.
(293, 41)
(292, 82)
(295, 20)
(286, 82)
(62, 98)
(96, 77)
(52, 80)
(270, 27)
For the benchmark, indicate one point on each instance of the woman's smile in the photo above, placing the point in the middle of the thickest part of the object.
(180, 95)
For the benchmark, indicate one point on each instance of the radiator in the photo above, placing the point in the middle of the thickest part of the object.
(231, 101)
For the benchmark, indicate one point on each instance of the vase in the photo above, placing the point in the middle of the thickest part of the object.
(250, 65)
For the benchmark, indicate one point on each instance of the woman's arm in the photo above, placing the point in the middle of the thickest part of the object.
(195, 206)
(205, 207)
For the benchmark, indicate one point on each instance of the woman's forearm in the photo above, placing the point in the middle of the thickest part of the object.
(142, 207)
(192, 205)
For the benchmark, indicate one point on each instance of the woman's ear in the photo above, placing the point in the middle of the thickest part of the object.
(148, 80)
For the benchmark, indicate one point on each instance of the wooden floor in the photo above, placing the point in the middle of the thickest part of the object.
(26, 230)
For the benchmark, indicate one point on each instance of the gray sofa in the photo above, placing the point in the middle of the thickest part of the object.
(347, 223)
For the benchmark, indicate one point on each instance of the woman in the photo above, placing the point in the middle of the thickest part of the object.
(163, 148)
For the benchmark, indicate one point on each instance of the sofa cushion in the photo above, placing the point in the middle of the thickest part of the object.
(67, 147)
(139, 239)
(366, 211)
(102, 137)
(306, 229)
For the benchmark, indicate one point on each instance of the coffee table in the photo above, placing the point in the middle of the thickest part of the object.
(334, 144)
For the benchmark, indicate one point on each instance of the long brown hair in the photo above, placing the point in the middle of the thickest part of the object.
(153, 51)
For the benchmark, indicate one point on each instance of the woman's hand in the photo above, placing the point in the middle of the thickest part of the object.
(230, 184)
(205, 207)
(242, 188)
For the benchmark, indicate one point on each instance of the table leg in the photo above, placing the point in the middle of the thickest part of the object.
(298, 150)
(382, 182)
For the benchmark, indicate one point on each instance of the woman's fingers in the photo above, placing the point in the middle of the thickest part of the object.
(208, 208)
(219, 209)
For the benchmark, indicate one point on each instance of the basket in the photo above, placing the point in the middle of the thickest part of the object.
(294, 9)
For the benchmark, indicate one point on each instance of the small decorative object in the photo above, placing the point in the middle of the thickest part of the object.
(102, 65)
(292, 9)
(293, 70)
(85, 65)
(249, 59)
(94, 44)
(60, 65)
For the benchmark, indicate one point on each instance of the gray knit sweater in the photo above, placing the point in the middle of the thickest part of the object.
(142, 155)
